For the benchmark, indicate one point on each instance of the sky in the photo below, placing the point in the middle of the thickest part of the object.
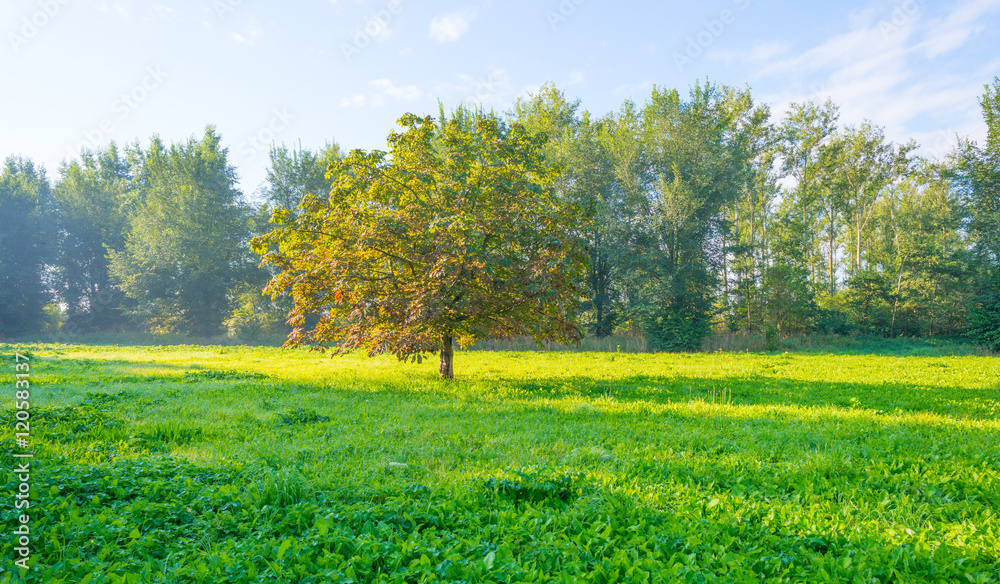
(81, 73)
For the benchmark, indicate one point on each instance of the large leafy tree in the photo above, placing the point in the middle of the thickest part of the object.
(609, 235)
(449, 236)
(294, 173)
(980, 174)
(919, 245)
(27, 243)
(696, 169)
(865, 165)
(807, 128)
(187, 247)
(92, 197)
(577, 148)
(625, 215)
(752, 141)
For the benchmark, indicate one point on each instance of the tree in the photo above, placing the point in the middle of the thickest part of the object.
(186, 250)
(979, 173)
(805, 131)
(744, 240)
(295, 173)
(27, 243)
(622, 221)
(788, 302)
(696, 169)
(92, 200)
(919, 244)
(591, 188)
(577, 149)
(870, 301)
(832, 208)
(449, 236)
(865, 164)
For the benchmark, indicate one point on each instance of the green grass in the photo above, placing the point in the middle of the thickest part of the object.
(235, 464)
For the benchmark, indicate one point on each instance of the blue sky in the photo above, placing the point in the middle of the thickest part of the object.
(84, 72)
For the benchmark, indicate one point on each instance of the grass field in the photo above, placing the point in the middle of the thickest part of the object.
(233, 464)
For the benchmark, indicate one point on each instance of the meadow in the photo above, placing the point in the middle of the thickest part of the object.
(214, 464)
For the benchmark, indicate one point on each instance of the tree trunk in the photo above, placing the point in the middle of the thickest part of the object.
(833, 256)
(895, 302)
(447, 369)
(725, 275)
(857, 252)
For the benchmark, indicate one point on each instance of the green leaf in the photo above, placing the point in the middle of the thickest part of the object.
(283, 548)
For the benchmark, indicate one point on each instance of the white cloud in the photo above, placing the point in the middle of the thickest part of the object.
(385, 88)
(354, 101)
(450, 27)
(951, 33)
(251, 32)
(878, 70)
(165, 12)
(382, 91)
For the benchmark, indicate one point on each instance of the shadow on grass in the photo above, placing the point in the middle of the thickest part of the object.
(882, 398)
(743, 390)
(122, 371)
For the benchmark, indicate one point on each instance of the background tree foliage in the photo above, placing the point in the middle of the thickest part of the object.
(27, 245)
(93, 198)
(187, 242)
(295, 173)
(450, 235)
(292, 175)
(698, 213)
(980, 178)
(576, 152)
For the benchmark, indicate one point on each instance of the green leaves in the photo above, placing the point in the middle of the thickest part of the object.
(28, 241)
(454, 236)
(186, 248)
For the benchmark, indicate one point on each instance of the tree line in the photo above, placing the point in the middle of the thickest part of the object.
(700, 212)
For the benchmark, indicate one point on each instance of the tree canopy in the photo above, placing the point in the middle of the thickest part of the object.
(187, 244)
(27, 238)
(451, 235)
(695, 214)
